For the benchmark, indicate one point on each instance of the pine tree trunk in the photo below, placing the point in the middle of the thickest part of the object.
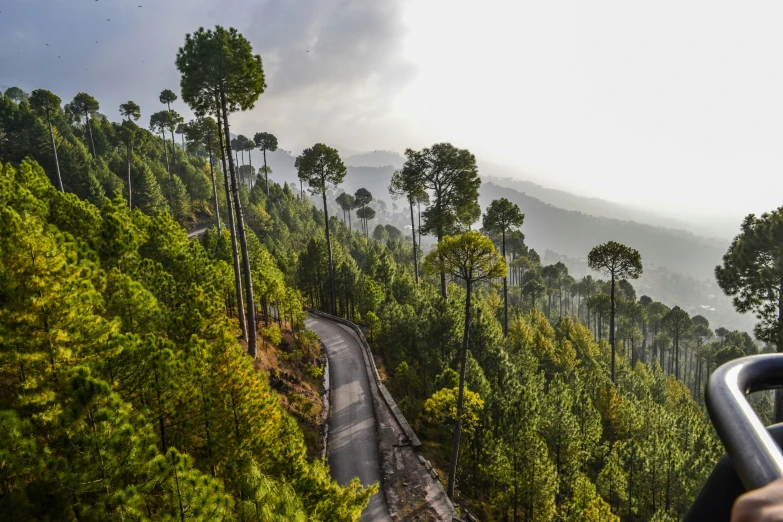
(56, 161)
(560, 297)
(266, 173)
(505, 290)
(168, 170)
(442, 276)
(332, 304)
(165, 151)
(173, 145)
(250, 322)
(663, 357)
(214, 185)
(460, 396)
(588, 311)
(250, 170)
(89, 130)
(611, 329)
(130, 192)
(677, 355)
(419, 218)
(233, 230)
(415, 254)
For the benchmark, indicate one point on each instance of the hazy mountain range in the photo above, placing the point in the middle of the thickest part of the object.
(679, 263)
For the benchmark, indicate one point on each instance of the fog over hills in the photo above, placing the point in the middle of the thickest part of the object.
(573, 234)
(679, 264)
(378, 158)
(722, 228)
(556, 220)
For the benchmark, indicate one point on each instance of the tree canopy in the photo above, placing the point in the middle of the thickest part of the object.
(219, 60)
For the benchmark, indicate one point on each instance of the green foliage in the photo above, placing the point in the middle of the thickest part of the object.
(219, 60)
(373, 324)
(470, 256)
(265, 141)
(451, 174)
(321, 168)
(127, 395)
(130, 110)
(442, 408)
(616, 260)
(752, 272)
(45, 102)
(502, 216)
(16, 94)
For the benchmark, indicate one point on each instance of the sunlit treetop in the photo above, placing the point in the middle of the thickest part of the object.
(215, 61)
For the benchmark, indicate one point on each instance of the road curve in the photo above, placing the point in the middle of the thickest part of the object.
(353, 444)
(197, 233)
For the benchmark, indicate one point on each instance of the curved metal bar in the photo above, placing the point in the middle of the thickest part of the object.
(755, 455)
(723, 487)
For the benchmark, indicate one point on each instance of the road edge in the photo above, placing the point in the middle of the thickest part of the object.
(412, 487)
(413, 440)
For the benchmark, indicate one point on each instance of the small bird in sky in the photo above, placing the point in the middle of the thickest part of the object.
(59, 56)
(47, 45)
(108, 19)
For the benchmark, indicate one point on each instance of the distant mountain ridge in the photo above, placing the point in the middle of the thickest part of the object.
(522, 181)
(603, 208)
(573, 234)
(377, 158)
(570, 229)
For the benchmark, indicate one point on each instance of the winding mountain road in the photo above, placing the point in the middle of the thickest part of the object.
(352, 442)
(197, 233)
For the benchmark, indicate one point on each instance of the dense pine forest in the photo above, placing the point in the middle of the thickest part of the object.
(131, 387)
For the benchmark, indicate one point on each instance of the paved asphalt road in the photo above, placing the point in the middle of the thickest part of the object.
(353, 445)
(197, 232)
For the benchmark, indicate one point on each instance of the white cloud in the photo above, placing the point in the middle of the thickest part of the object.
(671, 105)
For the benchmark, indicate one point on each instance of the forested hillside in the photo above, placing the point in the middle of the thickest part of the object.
(132, 388)
(126, 392)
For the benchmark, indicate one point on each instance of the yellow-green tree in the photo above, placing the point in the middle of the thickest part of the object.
(473, 258)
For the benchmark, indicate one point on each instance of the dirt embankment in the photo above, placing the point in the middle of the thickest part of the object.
(295, 368)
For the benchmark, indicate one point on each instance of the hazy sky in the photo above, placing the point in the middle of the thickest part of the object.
(675, 106)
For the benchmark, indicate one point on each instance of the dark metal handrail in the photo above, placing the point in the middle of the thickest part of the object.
(756, 457)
